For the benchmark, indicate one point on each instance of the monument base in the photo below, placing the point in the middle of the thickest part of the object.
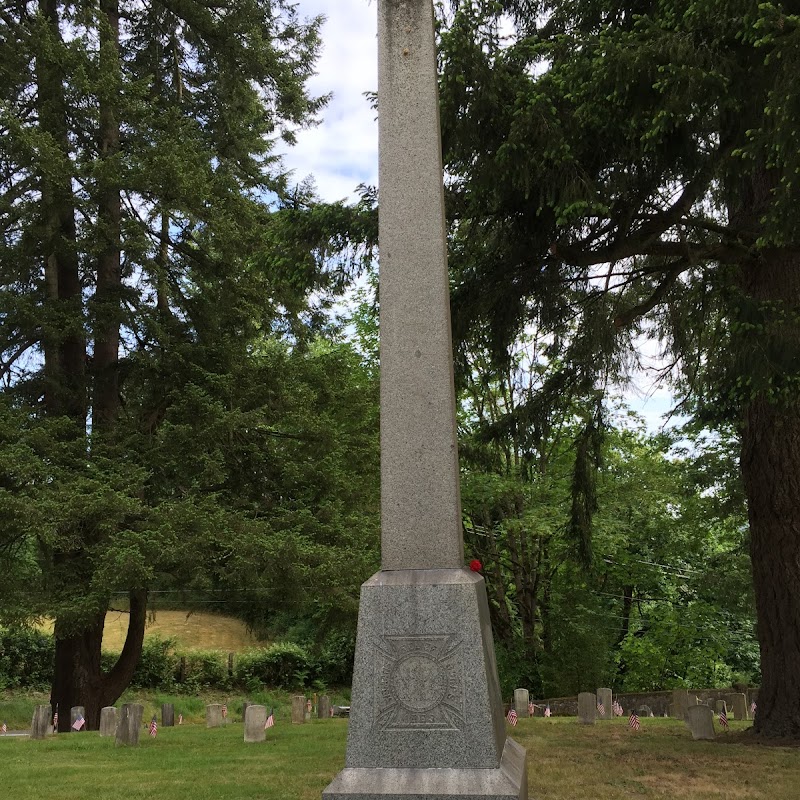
(426, 719)
(508, 782)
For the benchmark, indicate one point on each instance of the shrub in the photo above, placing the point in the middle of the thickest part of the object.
(205, 669)
(336, 659)
(156, 668)
(26, 658)
(284, 665)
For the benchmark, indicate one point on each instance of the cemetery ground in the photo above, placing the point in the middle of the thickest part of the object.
(606, 761)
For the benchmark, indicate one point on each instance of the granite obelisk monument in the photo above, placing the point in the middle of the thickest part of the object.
(426, 717)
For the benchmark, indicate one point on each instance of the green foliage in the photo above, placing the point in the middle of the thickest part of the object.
(205, 669)
(26, 658)
(283, 664)
(156, 667)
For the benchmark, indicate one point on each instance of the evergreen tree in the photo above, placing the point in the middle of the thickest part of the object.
(629, 171)
(138, 259)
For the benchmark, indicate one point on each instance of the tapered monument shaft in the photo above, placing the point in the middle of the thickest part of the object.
(426, 720)
(420, 499)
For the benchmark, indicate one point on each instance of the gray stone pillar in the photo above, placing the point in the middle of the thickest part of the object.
(214, 715)
(738, 704)
(41, 722)
(108, 721)
(324, 707)
(587, 708)
(255, 719)
(298, 709)
(167, 715)
(427, 717)
(680, 702)
(521, 700)
(700, 720)
(129, 725)
(77, 713)
(605, 698)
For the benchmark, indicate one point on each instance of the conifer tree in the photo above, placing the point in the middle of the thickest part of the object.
(138, 247)
(623, 171)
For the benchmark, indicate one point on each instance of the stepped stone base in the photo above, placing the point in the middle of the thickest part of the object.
(508, 782)
(426, 719)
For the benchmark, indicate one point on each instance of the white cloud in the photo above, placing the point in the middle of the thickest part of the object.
(343, 151)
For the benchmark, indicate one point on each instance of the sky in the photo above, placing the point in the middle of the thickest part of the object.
(342, 152)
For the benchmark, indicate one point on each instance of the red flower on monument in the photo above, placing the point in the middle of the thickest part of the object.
(475, 565)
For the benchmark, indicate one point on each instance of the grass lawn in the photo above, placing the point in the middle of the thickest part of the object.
(565, 762)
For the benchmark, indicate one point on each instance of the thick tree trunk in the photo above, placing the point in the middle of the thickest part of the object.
(78, 678)
(771, 470)
(62, 337)
(108, 296)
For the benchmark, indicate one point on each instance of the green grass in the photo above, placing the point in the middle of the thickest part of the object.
(565, 761)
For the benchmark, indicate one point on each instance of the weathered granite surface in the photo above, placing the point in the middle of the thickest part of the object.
(108, 721)
(680, 702)
(700, 720)
(425, 689)
(508, 782)
(606, 698)
(738, 704)
(521, 699)
(298, 709)
(41, 721)
(587, 708)
(129, 724)
(167, 715)
(420, 489)
(214, 715)
(324, 707)
(255, 718)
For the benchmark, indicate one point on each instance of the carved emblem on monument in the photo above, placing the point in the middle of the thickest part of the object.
(420, 683)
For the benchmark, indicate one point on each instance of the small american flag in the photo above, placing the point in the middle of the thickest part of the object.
(180, 719)
(531, 709)
(224, 711)
(633, 721)
(617, 709)
(55, 721)
(79, 723)
(512, 717)
(153, 727)
(270, 723)
(723, 719)
(601, 709)
(309, 706)
(3, 727)
(547, 710)
(753, 707)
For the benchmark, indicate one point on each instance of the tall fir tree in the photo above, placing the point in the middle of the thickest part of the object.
(621, 172)
(142, 249)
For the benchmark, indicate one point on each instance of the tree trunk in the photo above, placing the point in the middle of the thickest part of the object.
(108, 296)
(78, 678)
(771, 470)
(63, 342)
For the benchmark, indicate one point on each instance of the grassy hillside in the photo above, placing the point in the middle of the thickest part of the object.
(192, 630)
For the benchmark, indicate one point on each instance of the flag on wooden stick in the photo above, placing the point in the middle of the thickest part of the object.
(270, 723)
(512, 717)
(633, 721)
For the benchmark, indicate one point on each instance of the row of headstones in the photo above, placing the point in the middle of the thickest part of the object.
(123, 724)
(302, 709)
(682, 701)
